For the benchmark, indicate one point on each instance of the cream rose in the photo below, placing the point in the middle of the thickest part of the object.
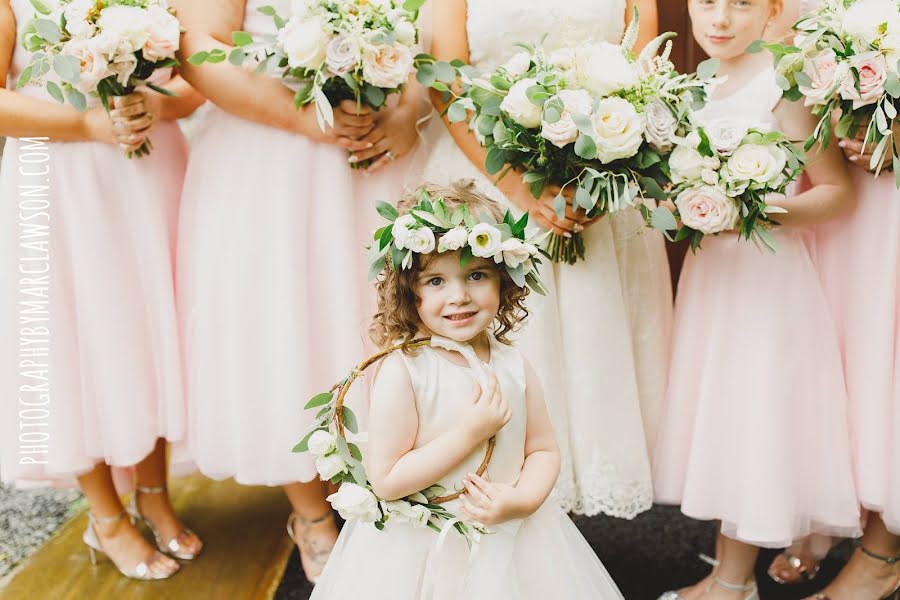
(453, 240)
(619, 129)
(685, 163)
(872, 69)
(165, 35)
(486, 241)
(321, 443)
(387, 66)
(330, 465)
(725, 135)
(400, 230)
(354, 502)
(406, 32)
(564, 131)
(755, 166)
(342, 54)
(129, 23)
(421, 240)
(304, 41)
(93, 64)
(516, 252)
(707, 209)
(518, 65)
(661, 126)
(76, 13)
(603, 69)
(519, 108)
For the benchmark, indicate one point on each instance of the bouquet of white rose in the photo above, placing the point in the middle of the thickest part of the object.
(333, 50)
(846, 59)
(723, 172)
(99, 47)
(593, 119)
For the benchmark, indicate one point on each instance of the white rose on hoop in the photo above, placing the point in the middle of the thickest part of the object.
(486, 241)
(707, 209)
(355, 502)
(603, 69)
(304, 41)
(387, 66)
(519, 108)
(322, 443)
(330, 465)
(342, 54)
(564, 131)
(619, 129)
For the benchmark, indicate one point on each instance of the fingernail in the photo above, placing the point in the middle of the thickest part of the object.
(567, 234)
(370, 145)
(853, 158)
(842, 144)
(578, 228)
(353, 159)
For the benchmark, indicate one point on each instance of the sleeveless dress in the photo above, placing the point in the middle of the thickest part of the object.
(755, 431)
(599, 340)
(272, 285)
(87, 240)
(542, 556)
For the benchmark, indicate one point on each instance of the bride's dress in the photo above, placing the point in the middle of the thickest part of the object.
(600, 339)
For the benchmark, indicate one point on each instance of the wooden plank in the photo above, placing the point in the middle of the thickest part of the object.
(245, 552)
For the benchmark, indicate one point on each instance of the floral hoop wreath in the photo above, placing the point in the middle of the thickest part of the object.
(430, 226)
(339, 461)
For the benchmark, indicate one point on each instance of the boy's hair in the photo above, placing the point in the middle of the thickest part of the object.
(397, 319)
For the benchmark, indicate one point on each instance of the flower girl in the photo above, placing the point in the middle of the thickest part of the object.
(433, 410)
(755, 430)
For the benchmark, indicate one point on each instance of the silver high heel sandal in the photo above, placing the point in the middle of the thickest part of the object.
(174, 546)
(672, 595)
(141, 571)
(736, 587)
(888, 560)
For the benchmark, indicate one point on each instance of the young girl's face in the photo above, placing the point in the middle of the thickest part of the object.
(724, 28)
(458, 302)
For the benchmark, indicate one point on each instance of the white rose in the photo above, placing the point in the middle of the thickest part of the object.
(619, 129)
(354, 502)
(419, 516)
(661, 126)
(329, 466)
(685, 163)
(864, 19)
(707, 209)
(485, 241)
(421, 240)
(165, 35)
(387, 66)
(710, 176)
(107, 43)
(453, 240)
(564, 131)
(725, 135)
(519, 108)
(321, 443)
(755, 166)
(304, 42)
(76, 13)
(400, 230)
(93, 64)
(518, 65)
(516, 252)
(397, 510)
(342, 54)
(128, 22)
(123, 66)
(406, 32)
(562, 58)
(603, 69)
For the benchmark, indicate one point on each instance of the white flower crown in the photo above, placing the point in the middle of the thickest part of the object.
(430, 226)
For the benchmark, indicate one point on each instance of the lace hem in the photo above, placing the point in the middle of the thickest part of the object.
(602, 490)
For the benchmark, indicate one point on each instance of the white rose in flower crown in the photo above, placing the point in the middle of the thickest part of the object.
(329, 466)
(707, 209)
(865, 18)
(661, 126)
(725, 135)
(827, 75)
(755, 166)
(304, 41)
(406, 32)
(342, 54)
(686, 164)
(387, 66)
(486, 241)
(619, 129)
(454, 239)
(603, 69)
(127, 22)
(165, 35)
(93, 64)
(321, 443)
(516, 252)
(421, 240)
(518, 65)
(872, 69)
(400, 230)
(519, 108)
(564, 131)
(76, 13)
(354, 502)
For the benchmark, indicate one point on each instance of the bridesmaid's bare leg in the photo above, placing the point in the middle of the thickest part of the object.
(312, 525)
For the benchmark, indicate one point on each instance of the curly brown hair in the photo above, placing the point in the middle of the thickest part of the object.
(397, 319)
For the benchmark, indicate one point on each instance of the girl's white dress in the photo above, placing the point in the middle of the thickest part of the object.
(542, 556)
(600, 339)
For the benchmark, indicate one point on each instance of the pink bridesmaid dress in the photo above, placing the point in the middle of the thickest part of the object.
(101, 230)
(754, 432)
(273, 287)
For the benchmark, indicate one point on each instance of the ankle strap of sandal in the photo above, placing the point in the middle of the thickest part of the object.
(104, 520)
(879, 557)
(159, 489)
(305, 521)
(734, 587)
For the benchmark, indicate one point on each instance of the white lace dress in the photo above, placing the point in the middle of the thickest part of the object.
(600, 339)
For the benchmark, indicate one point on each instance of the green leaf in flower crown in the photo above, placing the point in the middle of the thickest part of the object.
(518, 228)
(662, 218)
(386, 210)
(708, 68)
(418, 497)
(355, 451)
(385, 238)
(465, 256)
(344, 450)
(319, 400)
(376, 268)
(517, 275)
(359, 474)
(431, 219)
(349, 419)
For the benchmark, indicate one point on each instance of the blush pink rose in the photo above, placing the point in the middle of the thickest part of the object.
(707, 209)
(872, 68)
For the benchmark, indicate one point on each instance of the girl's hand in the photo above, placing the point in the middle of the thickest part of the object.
(490, 503)
(488, 412)
(393, 137)
(133, 117)
(350, 126)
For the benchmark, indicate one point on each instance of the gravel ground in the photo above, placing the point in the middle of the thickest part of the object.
(28, 518)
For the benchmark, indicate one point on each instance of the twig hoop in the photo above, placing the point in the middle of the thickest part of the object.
(344, 387)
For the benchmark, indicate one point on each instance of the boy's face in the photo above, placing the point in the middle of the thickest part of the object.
(455, 302)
